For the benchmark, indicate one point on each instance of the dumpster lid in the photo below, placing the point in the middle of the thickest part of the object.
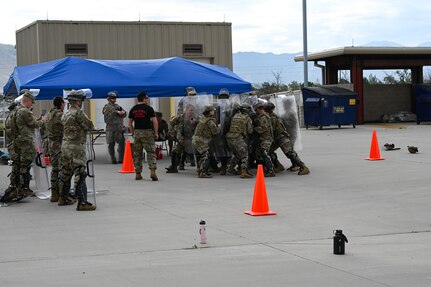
(328, 91)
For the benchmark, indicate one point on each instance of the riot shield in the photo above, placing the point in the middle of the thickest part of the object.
(184, 131)
(223, 115)
(40, 170)
(286, 109)
(91, 156)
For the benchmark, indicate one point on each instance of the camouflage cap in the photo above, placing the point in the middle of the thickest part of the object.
(76, 95)
(29, 95)
(259, 105)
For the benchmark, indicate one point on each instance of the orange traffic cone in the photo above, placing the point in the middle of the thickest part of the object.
(128, 166)
(375, 149)
(260, 202)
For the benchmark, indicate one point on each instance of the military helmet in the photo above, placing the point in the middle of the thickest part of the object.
(259, 105)
(208, 109)
(112, 94)
(270, 106)
(190, 91)
(76, 95)
(245, 106)
(223, 93)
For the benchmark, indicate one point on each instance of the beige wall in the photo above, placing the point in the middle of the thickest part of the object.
(125, 40)
(44, 40)
(386, 99)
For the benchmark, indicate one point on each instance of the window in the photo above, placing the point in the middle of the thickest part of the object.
(76, 49)
(193, 49)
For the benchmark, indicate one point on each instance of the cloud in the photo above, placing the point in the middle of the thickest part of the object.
(262, 26)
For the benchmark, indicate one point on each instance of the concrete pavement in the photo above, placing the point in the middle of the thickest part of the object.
(145, 233)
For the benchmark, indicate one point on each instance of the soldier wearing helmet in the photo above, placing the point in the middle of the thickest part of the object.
(76, 124)
(282, 140)
(265, 137)
(54, 128)
(241, 127)
(113, 115)
(206, 129)
(21, 129)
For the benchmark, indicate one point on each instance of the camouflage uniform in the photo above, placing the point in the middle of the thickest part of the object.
(281, 140)
(144, 139)
(205, 130)
(183, 128)
(54, 128)
(241, 127)
(24, 147)
(114, 130)
(76, 124)
(11, 132)
(262, 126)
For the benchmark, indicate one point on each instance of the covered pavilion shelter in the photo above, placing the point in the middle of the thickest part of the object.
(358, 59)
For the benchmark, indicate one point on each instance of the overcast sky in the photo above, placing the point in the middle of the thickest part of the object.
(262, 26)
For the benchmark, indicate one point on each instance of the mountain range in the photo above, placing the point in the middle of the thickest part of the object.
(254, 67)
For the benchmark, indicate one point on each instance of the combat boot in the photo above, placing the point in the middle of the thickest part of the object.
(270, 173)
(65, 201)
(85, 206)
(278, 168)
(26, 192)
(303, 170)
(171, 170)
(153, 175)
(245, 174)
(205, 175)
(293, 167)
(54, 195)
(138, 176)
(223, 170)
(10, 194)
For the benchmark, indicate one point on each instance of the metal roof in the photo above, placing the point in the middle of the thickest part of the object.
(321, 55)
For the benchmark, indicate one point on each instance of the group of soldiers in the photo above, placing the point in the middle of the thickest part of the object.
(66, 133)
(230, 135)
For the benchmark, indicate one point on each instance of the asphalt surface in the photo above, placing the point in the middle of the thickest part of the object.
(146, 233)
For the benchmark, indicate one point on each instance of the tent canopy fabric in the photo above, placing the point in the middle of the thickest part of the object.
(166, 77)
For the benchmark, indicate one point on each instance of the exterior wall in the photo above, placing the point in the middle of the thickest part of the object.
(123, 41)
(386, 99)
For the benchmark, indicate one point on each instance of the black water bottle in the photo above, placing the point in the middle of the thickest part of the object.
(339, 242)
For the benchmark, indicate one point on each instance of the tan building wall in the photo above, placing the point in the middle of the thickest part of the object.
(125, 40)
(46, 40)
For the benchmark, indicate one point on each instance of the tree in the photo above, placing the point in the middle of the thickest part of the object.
(372, 80)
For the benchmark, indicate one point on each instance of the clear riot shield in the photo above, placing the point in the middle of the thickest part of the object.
(223, 115)
(203, 100)
(91, 156)
(188, 107)
(40, 170)
(286, 109)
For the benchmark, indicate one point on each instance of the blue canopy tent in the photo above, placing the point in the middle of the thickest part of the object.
(166, 77)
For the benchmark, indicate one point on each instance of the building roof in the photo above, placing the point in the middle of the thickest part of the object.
(124, 23)
(344, 51)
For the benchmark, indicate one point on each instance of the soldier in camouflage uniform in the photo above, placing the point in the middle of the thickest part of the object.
(23, 123)
(184, 126)
(10, 130)
(281, 140)
(206, 129)
(113, 116)
(263, 128)
(241, 127)
(54, 128)
(76, 124)
(144, 127)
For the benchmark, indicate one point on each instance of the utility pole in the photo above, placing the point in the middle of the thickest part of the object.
(304, 38)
